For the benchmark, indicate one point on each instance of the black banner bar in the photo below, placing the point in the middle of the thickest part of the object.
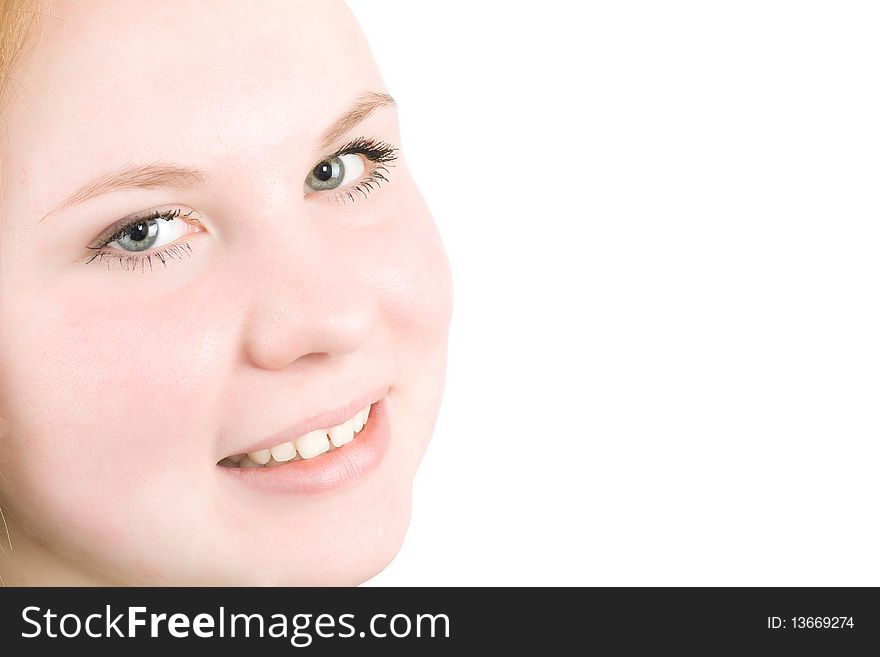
(409, 621)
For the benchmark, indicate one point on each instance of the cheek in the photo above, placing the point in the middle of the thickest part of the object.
(98, 394)
(410, 273)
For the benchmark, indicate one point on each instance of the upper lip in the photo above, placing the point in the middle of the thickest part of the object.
(326, 419)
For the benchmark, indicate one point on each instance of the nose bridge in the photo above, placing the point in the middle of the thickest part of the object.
(302, 295)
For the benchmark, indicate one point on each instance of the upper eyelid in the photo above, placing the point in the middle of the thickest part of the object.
(362, 144)
(115, 229)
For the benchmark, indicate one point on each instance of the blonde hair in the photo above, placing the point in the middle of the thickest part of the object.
(17, 20)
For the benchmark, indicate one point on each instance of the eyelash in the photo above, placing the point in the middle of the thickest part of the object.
(379, 153)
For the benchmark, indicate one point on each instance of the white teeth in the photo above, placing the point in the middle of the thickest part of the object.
(305, 447)
(312, 444)
(260, 456)
(342, 434)
(359, 420)
(283, 452)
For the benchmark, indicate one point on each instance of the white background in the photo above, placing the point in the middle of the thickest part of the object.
(662, 220)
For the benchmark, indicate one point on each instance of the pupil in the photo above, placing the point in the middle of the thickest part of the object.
(139, 232)
(323, 171)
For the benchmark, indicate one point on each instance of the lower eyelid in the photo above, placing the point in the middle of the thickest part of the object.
(361, 189)
(130, 260)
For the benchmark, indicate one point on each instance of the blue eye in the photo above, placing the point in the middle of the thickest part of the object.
(336, 172)
(356, 168)
(149, 232)
(133, 243)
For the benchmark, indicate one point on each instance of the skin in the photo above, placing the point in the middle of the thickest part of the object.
(120, 390)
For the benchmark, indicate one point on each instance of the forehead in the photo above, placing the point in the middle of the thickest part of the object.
(111, 83)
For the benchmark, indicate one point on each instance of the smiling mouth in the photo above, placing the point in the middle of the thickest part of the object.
(307, 446)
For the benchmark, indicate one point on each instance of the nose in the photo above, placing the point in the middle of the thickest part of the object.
(305, 297)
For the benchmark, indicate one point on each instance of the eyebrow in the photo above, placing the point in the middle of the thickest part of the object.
(162, 175)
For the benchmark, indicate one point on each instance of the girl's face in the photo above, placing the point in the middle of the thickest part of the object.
(280, 290)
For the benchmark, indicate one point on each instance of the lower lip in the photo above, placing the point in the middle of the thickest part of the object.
(336, 470)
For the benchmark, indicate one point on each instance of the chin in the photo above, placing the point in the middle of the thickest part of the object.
(347, 566)
(371, 558)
